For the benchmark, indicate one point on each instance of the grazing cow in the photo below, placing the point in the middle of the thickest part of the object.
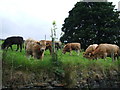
(13, 40)
(49, 45)
(89, 50)
(104, 50)
(35, 48)
(58, 45)
(71, 46)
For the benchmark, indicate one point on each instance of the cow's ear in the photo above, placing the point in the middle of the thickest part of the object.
(38, 43)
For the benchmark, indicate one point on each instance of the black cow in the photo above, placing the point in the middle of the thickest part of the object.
(13, 40)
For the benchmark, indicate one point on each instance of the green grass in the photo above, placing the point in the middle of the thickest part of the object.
(18, 60)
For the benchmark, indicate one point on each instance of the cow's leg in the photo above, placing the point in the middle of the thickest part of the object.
(7, 47)
(104, 56)
(17, 47)
(28, 54)
(70, 52)
(50, 49)
(34, 55)
(116, 57)
(113, 56)
(20, 47)
(11, 47)
(78, 52)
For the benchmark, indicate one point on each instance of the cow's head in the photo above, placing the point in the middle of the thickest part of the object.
(42, 44)
(87, 55)
(39, 48)
(94, 55)
(3, 46)
(64, 49)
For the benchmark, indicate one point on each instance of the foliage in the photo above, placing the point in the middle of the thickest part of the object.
(92, 22)
(54, 50)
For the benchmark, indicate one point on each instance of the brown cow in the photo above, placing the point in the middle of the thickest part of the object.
(58, 45)
(35, 48)
(49, 45)
(71, 46)
(104, 50)
(89, 50)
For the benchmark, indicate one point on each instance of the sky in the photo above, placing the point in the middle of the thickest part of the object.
(33, 18)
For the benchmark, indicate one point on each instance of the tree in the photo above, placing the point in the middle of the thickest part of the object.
(92, 22)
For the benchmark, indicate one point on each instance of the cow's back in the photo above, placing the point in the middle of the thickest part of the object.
(29, 43)
(14, 40)
(106, 49)
(75, 46)
(90, 49)
(72, 46)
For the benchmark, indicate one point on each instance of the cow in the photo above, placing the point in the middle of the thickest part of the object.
(71, 46)
(58, 45)
(89, 50)
(106, 50)
(49, 45)
(35, 48)
(13, 40)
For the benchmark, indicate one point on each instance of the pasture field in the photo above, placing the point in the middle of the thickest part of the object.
(71, 71)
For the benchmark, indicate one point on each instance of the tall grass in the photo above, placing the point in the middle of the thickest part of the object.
(18, 60)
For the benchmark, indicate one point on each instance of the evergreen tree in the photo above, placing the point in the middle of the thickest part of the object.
(92, 22)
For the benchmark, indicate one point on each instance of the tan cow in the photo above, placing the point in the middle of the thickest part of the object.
(104, 50)
(35, 48)
(89, 50)
(71, 46)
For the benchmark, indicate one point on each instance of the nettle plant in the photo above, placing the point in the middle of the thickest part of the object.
(54, 50)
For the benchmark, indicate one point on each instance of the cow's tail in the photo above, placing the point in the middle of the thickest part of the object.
(119, 52)
(80, 48)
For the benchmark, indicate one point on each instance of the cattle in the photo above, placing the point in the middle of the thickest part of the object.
(71, 46)
(58, 45)
(106, 50)
(49, 45)
(89, 50)
(35, 48)
(17, 40)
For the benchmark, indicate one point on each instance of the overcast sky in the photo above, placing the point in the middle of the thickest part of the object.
(33, 18)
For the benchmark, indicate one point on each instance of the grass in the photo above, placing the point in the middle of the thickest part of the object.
(18, 60)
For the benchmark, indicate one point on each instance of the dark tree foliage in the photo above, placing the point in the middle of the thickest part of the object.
(92, 22)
